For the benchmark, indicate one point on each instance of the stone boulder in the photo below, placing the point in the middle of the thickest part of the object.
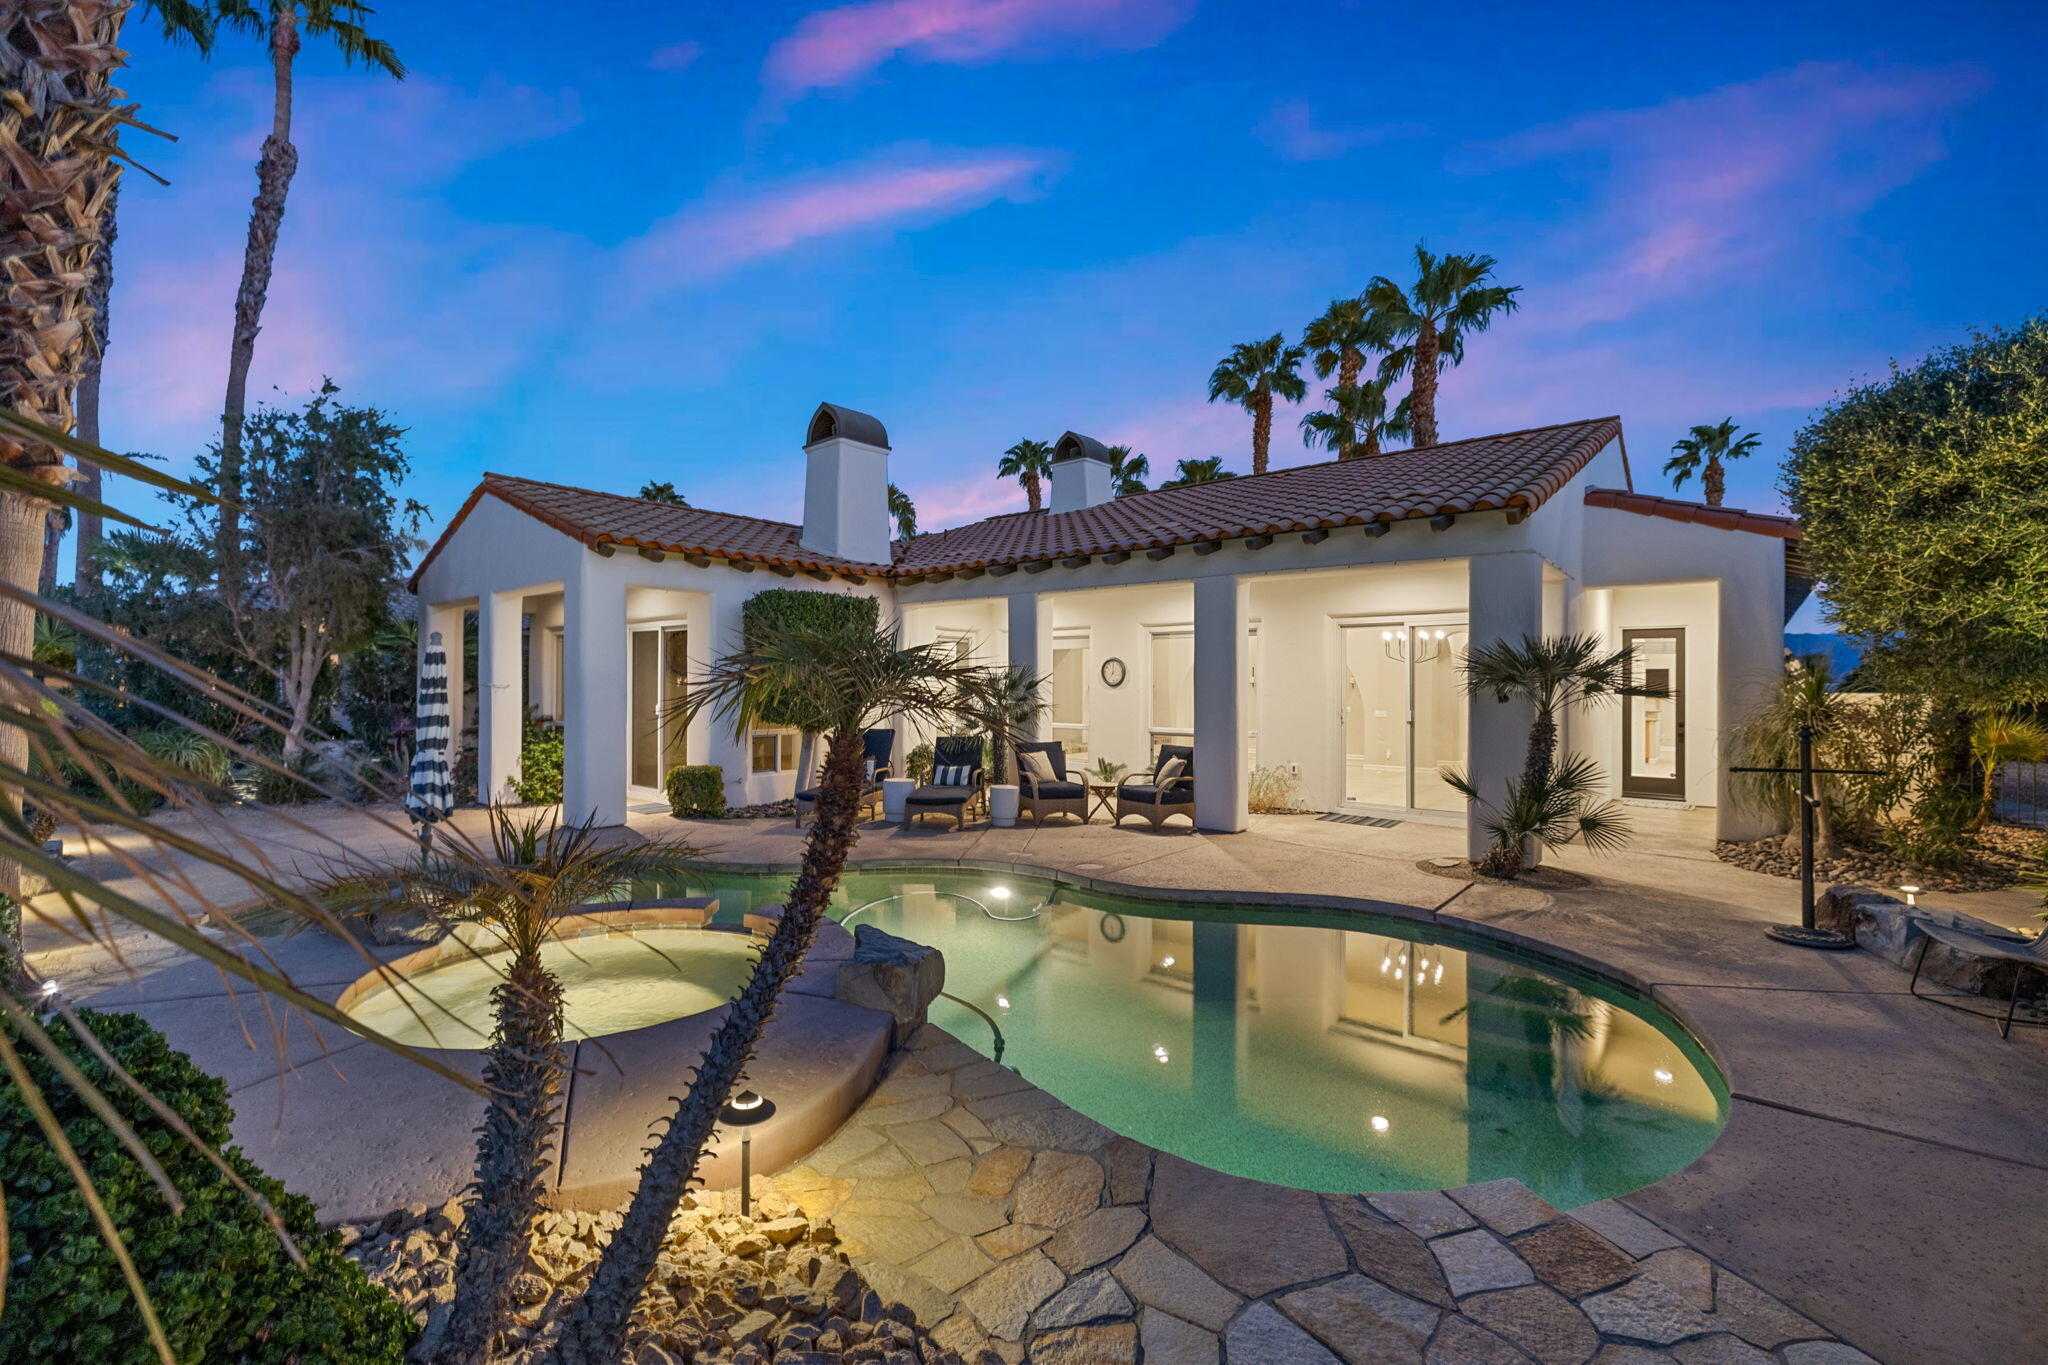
(894, 975)
(1882, 924)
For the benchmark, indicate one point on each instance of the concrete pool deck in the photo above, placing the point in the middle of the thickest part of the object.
(1868, 1131)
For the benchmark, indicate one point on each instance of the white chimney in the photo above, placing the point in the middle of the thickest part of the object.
(1080, 473)
(846, 486)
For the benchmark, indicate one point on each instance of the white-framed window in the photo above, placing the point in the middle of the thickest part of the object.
(1172, 683)
(773, 751)
(1069, 711)
(958, 640)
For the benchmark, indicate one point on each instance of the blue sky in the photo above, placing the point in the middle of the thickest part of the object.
(641, 244)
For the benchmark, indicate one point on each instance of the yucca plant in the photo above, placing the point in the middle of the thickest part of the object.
(852, 672)
(537, 870)
(1996, 739)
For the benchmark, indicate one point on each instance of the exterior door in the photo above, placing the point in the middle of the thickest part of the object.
(1653, 728)
(658, 674)
(1404, 713)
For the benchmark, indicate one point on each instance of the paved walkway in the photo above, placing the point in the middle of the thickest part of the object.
(1881, 1153)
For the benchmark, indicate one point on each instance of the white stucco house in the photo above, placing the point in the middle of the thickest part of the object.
(1312, 617)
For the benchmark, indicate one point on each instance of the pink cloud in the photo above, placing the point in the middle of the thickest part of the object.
(971, 499)
(836, 47)
(719, 235)
(1707, 186)
(1290, 128)
(676, 56)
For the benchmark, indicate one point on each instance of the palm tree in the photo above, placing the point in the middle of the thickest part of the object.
(905, 513)
(340, 22)
(1337, 343)
(663, 491)
(1127, 472)
(58, 170)
(538, 870)
(1357, 421)
(1188, 473)
(1011, 703)
(1996, 739)
(851, 672)
(1550, 802)
(1768, 737)
(1708, 446)
(1252, 375)
(1449, 300)
(1029, 463)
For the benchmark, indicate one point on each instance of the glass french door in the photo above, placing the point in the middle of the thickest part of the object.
(659, 672)
(1403, 713)
(1653, 728)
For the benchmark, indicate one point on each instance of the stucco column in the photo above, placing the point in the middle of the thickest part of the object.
(594, 709)
(1031, 648)
(1506, 603)
(446, 619)
(714, 633)
(1222, 783)
(501, 703)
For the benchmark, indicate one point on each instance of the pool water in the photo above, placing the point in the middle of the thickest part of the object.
(610, 983)
(1324, 1049)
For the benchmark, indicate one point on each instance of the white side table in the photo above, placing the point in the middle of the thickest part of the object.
(895, 791)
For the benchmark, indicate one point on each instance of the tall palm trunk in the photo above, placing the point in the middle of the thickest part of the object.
(1033, 491)
(524, 1074)
(86, 576)
(594, 1332)
(1422, 389)
(54, 521)
(1372, 443)
(1714, 480)
(1349, 363)
(1262, 428)
(58, 125)
(1542, 757)
(274, 170)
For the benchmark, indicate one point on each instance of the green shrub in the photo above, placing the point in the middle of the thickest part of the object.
(918, 767)
(1938, 834)
(218, 1278)
(799, 607)
(540, 765)
(696, 789)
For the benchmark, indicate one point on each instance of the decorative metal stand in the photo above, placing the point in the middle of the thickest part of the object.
(1806, 934)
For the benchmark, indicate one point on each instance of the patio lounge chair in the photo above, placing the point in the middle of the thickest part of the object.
(1144, 795)
(1064, 793)
(956, 781)
(878, 745)
(2025, 952)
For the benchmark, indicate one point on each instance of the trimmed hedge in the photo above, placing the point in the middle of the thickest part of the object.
(800, 607)
(696, 789)
(217, 1275)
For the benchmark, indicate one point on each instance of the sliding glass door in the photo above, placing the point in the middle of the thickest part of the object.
(660, 670)
(1403, 713)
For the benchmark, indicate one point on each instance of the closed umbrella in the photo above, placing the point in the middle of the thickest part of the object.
(430, 792)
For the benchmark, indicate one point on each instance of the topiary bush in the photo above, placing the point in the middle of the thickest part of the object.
(799, 607)
(696, 789)
(218, 1278)
(540, 765)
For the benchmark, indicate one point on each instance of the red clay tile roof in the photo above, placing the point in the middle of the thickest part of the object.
(1516, 469)
(1671, 509)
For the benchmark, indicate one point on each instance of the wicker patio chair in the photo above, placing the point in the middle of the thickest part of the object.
(1064, 793)
(1142, 794)
(957, 781)
(878, 745)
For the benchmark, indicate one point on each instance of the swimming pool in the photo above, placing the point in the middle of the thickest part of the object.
(1321, 1049)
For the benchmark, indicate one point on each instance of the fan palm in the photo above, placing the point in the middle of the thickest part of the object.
(1251, 376)
(852, 673)
(1188, 473)
(1703, 451)
(1357, 421)
(538, 869)
(663, 490)
(1337, 343)
(1011, 702)
(905, 513)
(1029, 463)
(1450, 299)
(2000, 738)
(1127, 472)
(340, 22)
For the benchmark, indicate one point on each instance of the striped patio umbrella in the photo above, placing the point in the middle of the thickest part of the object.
(430, 790)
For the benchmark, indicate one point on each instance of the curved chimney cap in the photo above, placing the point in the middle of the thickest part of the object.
(832, 420)
(1075, 446)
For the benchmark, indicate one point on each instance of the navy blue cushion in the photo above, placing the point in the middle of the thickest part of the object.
(811, 794)
(1057, 791)
(939, 796)
(1180, 794)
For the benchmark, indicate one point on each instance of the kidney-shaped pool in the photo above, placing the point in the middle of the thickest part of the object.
(1321, 1049)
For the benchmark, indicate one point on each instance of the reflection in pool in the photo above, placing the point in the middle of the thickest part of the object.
(1318, 1049)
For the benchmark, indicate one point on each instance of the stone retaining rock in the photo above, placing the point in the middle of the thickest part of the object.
(1882, 924)
(893, 975)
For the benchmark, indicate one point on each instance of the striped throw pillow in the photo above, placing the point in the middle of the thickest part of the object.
(951, 775)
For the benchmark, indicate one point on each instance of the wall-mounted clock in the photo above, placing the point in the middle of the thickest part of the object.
(1113, 672)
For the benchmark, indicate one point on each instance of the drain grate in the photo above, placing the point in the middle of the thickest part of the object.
(1376, 821)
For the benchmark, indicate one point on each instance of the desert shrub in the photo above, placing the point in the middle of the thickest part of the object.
(1938, 834)
(918, 767)
(177, 747)
(1273, 788)
(276, 782)
(696, 789)
(218, 1277)
(540, 765)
